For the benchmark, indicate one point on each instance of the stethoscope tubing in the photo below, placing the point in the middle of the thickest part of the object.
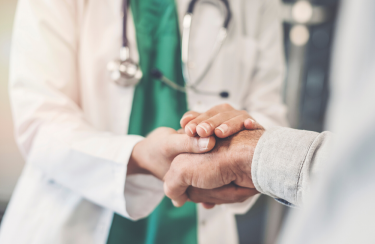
(125, 50)
(185, 43)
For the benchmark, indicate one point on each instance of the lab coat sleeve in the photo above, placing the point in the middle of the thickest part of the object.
(264, 99)
(51, 129)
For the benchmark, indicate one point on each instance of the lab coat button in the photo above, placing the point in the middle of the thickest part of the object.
(203, 222)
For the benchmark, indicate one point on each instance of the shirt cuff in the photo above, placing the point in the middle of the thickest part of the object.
(143, 193)
(278, 161)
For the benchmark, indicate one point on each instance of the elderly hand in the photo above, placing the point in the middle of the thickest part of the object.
(222, 120)
(229, 162)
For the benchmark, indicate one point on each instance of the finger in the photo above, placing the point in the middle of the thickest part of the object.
(208, 126)
(190, 128)
(187, 117)
(226, 194)
(181, 131)
(181, 143)
(231, 126)
(249, 124)
(208, 205)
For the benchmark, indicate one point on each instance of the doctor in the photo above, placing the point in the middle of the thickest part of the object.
(81, 129)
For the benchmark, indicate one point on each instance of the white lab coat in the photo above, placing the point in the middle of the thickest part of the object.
(71, 120)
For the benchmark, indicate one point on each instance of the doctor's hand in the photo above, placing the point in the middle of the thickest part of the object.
(222, 120)
(229, 162)
(155, 153)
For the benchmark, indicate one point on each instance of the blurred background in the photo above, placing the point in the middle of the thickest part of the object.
(308, 35)
(308, 32)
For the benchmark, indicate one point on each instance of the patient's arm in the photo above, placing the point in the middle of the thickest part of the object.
(279, 162)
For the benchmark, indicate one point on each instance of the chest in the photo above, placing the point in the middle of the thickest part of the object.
(100, 38)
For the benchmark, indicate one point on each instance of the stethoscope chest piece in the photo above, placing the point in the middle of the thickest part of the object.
(124, 71)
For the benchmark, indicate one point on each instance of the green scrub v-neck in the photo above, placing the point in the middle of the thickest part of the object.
(155, 105)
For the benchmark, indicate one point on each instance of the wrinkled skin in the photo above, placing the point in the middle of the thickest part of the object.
(228, 163)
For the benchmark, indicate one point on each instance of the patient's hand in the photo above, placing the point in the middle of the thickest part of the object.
(222, 120)
(229, 162)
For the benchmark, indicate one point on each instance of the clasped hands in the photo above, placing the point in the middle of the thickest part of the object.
(208, 161)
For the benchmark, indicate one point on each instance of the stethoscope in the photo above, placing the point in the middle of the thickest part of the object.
(125, 72)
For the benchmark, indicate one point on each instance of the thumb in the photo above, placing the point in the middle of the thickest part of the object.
(251, 124)
(182, 143)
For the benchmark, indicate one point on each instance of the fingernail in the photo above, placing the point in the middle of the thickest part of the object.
(252, 121)
(205, 127)
(203, 143)
(191, 131)
(185, 116)
(223, 128)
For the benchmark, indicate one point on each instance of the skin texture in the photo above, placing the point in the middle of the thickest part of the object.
(154, 154)
(227, 164)
(222, 120)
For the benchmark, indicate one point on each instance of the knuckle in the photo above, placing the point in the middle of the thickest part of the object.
(244, 112)
(211, 112)
(226, 106)
(191, 113)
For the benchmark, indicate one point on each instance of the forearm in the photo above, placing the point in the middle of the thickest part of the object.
(285, 160)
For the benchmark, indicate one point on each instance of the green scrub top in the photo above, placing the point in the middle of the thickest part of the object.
(155, 105)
